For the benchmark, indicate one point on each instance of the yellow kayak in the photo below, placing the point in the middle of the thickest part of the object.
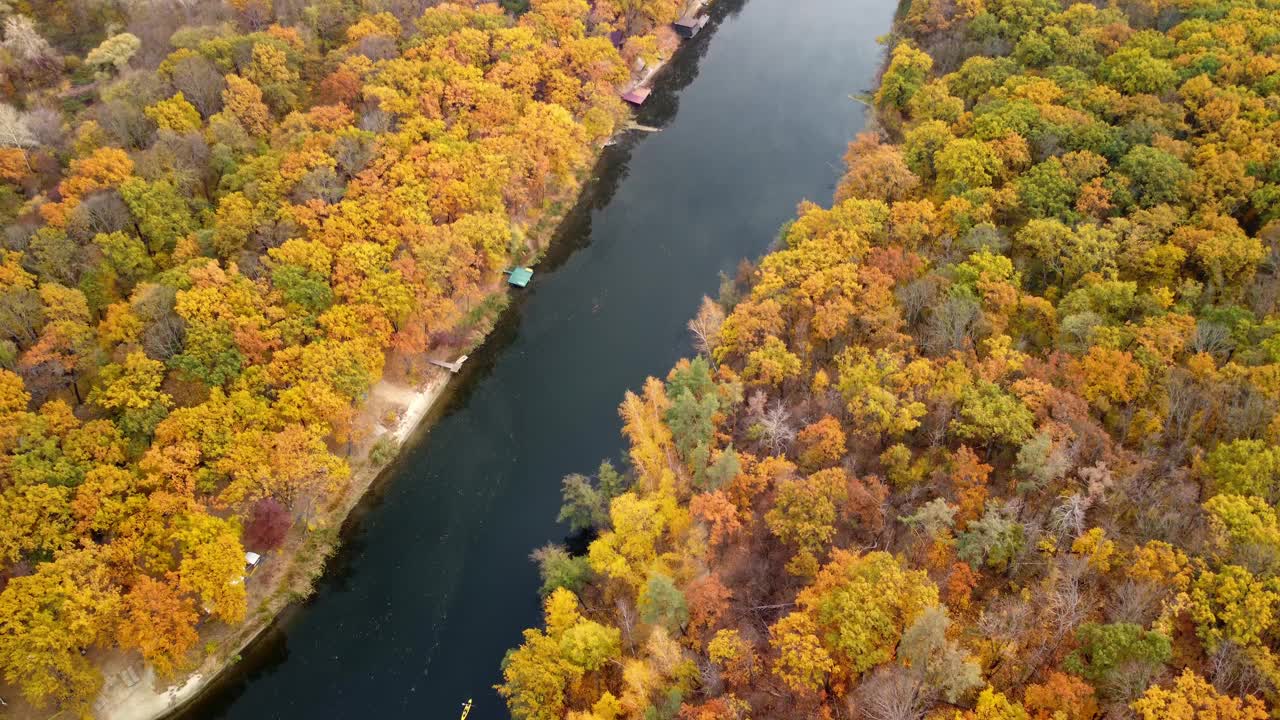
(466, 710)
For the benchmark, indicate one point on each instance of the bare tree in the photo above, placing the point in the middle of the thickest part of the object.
(181, 159)
(1067, 519)
(1134, 601)
(155, 21)
(23, 40)
(14, 130)
(200, 83)
(1233, 672)
(950, 324)
(47, 126)
(893, 692)
(778, 432)
(1213, 338)
(1188, 402)
(376, 120)
(125, 123)
(705, 326)
(164, 338)
(626, 621)
(1067, 605)
(352, 154)
(1246, 411)
(377, 47)
(914, 298)
(20, 316)
(102, 212)
(321, 183)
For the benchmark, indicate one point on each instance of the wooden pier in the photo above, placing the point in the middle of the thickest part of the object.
(452, 367)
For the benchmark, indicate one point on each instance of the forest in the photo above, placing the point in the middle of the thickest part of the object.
(223, 224)
(990, 436)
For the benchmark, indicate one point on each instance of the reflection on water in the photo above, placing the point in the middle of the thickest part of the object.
(432, 583)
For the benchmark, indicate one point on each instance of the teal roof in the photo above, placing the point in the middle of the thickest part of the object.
(520, 276)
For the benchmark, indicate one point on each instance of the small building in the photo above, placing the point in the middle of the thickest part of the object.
(520, 276)
(690, 25)
(637, 96)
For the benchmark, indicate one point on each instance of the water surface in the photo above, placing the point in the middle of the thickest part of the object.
(433, 583)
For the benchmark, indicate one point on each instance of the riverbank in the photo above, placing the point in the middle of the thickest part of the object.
(288, 574)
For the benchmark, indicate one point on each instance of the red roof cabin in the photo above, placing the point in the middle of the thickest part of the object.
(637, 96)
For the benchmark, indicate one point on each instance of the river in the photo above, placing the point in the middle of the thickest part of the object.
(433, 583)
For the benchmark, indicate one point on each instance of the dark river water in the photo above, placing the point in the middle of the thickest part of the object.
(433, 583)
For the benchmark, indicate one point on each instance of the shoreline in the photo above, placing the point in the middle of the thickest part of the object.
(144, 701)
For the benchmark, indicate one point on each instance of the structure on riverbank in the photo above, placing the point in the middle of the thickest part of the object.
(637, 96)
(690, 25)
(452, 367)
(519, 276)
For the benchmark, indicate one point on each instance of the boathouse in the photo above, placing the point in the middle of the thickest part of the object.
(690, 25)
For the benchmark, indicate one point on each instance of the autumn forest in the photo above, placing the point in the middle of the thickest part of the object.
(992, 435)
(224, 223)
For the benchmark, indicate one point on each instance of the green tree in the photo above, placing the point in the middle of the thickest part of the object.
(114, 52)
(586, 503)
(1155, 176)
(559, 569)
(1245, 467)
(994, 540)
(1108, 649)
(1135, 70)
(938, 660)
(989, 414)
(662, 603)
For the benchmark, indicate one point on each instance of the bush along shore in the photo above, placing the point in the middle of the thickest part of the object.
(235, 237)
(993, 435)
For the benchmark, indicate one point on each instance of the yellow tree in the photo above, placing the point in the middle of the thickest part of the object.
(175, 114)
(131, 390)
(289, 465)
(242, 100)
(212, 565)
(802, 662)
(860, 605)
(629, 550)
(47, 619)
(158, 621)
(1194, 698)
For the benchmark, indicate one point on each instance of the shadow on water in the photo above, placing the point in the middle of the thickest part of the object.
(271, 648)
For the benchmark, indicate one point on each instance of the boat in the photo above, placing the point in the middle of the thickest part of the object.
(466, 709)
